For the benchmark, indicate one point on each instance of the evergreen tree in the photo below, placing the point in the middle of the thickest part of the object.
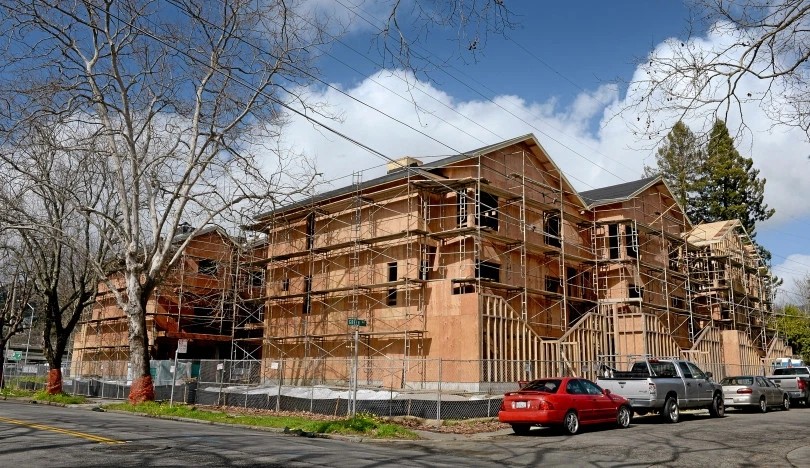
(730, 187)
(681, 162)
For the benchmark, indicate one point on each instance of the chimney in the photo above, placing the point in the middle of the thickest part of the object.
(402, 163)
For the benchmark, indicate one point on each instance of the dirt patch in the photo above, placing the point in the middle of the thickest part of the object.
(470, 426)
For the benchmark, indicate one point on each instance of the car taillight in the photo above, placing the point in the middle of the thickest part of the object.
(652, 389)
(802, 383)
(745, 390)
(544, 405)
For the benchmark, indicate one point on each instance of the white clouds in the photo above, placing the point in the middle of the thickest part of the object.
(441, 125)
(447, 126)
(590, 155)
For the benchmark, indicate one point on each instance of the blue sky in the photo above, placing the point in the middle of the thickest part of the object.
(561, 74)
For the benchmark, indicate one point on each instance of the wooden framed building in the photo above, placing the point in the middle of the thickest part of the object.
(490, 256)
(200, 300)
(489, 259)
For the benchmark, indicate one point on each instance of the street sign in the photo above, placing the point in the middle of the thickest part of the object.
(356, 322)
(14, 355)
(182, 346)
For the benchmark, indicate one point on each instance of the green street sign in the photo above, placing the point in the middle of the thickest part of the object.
(16, 356)
(356, 322)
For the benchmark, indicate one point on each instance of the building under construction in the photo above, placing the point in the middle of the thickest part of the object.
(489, 257)
(206, 298)
(493, 256)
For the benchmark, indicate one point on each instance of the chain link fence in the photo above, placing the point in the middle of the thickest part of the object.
(425, 388)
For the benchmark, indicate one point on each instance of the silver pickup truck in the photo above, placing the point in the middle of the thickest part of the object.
(665, 386)
(795, 381)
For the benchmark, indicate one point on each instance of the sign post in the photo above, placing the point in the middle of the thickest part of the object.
(182, 347)
(357, 323)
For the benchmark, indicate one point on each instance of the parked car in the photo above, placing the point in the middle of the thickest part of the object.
(753, 391)
(665, 386)
(564, 402)
(795, 381)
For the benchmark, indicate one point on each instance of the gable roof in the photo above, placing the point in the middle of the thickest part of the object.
(707, 233)
(619, 192)
(423, 172)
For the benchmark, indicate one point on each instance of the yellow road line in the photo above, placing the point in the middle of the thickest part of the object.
(43, 427)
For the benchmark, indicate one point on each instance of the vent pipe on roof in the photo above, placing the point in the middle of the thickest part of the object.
(402, 163)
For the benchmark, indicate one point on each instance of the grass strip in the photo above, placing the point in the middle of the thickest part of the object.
(363, 424)
(41, 395)
(62, 398)
(15, 392)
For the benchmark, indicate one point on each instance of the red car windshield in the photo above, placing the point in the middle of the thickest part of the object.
(547, 386)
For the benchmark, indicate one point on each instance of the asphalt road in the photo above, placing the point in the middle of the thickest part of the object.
(47, 436)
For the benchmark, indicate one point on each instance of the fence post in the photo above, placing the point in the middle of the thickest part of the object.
(439, 394)
(278, 394)
(220, 399)
(354, 373)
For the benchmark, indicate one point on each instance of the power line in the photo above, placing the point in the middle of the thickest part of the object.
(490, 100)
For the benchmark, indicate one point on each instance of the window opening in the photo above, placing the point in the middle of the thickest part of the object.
(486, 214)
(310, 230)
(613, 241)
(631, 240)
(307, 307)
(461, 209)
(573, 288)
(553, 284)
(552, 229)
(488, 271)
(391, 296)
(257, 278)
(207, 267)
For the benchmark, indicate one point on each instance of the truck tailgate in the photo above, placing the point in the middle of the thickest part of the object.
(632, 389)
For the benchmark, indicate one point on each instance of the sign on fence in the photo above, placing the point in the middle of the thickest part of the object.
(182, 346)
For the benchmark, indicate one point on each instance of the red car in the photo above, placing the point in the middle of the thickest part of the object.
(567, 402)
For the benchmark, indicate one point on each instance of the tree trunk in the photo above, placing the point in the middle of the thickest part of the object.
(54, 386)
(2, 365)
(142, 388)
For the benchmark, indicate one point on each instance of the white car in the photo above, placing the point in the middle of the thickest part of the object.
(753, 391)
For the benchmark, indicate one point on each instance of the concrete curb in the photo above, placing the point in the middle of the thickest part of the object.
(35, 402)
(425, 436)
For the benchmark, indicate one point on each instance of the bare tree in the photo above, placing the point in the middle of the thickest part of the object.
(182, 100)
(801, 289)
(409, 25)
(43, 186)
(760, 58)
(15, 297)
